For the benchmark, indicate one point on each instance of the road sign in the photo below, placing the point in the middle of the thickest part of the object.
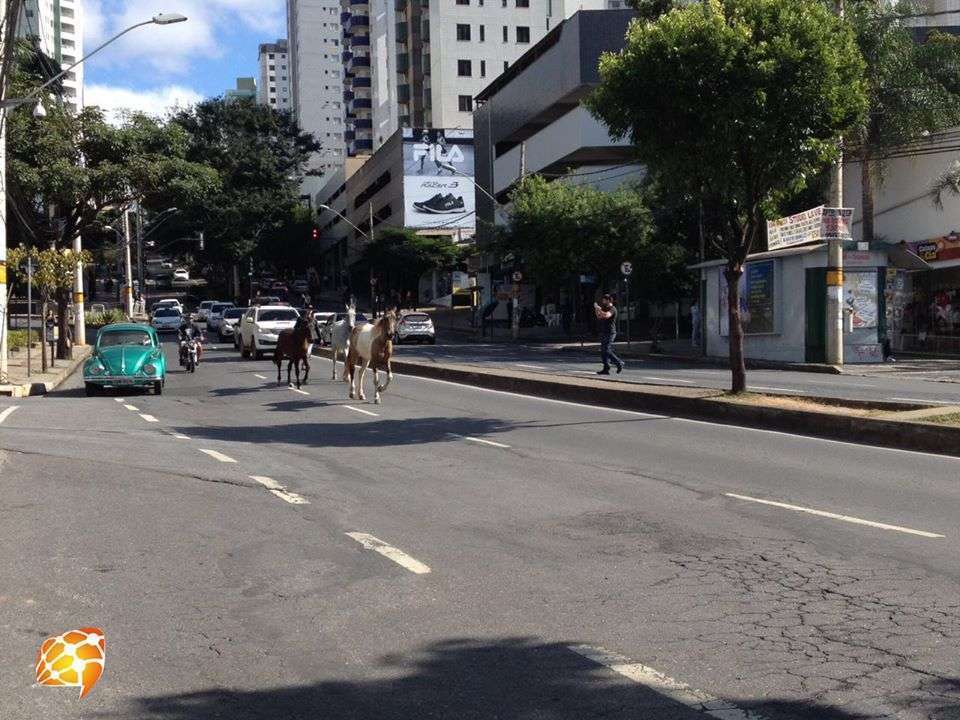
(626, 268)
(517, 276)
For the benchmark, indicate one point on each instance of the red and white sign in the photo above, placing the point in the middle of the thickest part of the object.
(820, 223)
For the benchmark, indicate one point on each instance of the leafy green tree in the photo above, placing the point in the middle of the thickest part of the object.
(259, 155)
(913, 89)
(737, 102)
(399, 257)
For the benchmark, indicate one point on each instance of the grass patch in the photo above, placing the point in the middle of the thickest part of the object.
(17, 339)
(948, 419)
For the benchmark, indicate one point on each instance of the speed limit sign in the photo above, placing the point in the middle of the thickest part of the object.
(626, 268)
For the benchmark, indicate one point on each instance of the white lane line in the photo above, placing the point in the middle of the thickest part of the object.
(262, 377)
(775, 389)
(132, 408)
(532, 367)
(148, 418)
(835, 516)
(297, 390)
(181, 437)
(479, 440)
(388, 551)
(217, 455)
(8, 412)
(927, 402)
(679, 692)
(585, 372)
(669, 380)
(360, 410)
(120, 400)
(280, 491)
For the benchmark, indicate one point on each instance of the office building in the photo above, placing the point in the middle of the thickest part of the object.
(314, 35)
(57, 26)
(273, 88)
(246, 89)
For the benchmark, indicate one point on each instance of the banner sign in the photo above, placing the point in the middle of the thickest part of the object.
(757, 299)
(860, 298)
(438, 189)
(941, 248)
(820, 223)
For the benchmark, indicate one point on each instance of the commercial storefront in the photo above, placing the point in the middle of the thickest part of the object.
(931, 303)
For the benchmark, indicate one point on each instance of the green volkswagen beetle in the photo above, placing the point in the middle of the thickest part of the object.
(126, 355)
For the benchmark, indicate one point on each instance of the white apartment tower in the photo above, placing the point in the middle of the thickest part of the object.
(57, 26)
(273, 86)
(314, 35)
(419, 63)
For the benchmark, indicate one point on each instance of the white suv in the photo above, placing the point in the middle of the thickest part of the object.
(260, 326)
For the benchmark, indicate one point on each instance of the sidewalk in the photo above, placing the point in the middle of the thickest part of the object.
(38, 383)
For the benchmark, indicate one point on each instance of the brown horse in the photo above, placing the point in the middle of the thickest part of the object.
(371, 345)
(295, 345)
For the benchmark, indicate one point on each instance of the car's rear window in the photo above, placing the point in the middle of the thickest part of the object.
(220, 307)
(277, 315)
(125, 337)
(167, 312)
(234, 312)
(416, 317)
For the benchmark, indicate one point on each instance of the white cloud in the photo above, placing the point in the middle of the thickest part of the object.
(158, 101)
(173, 49)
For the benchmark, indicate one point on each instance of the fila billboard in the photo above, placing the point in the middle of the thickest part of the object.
(438, 190)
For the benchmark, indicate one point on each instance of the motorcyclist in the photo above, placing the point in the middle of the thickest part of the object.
(189, 330)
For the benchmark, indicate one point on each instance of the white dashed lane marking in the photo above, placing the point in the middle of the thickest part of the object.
(479, 440)
(297, 390)
(217, 455)
(280, 491)
(360, 410)
(835, 516)
(668, 380)
(262, 377)
(531, 367)
(120, 400)
(132, 408)
(927, 402)
(8, 412)
(388, 551)
(679, 692)
(148, 418)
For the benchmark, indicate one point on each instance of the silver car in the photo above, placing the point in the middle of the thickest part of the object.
(166, 320)
(415, 326)
(227, 330)
(215, 314)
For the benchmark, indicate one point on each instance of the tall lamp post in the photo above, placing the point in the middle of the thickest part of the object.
(33, 97)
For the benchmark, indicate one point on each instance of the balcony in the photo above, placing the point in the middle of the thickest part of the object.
(360, 41)
(361, 82)
(403, 93)
(349, 135)
(360, 104)
(356, 22)
(346, 55)
(358, 61)
(403, 62)
(348, 95)
(360, 145)
(363, 124)
(344, 16)
(359, 4)
(426, 63)
(402, 30)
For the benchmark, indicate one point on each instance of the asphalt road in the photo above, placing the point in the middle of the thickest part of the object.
(935, 386)
(583, 562)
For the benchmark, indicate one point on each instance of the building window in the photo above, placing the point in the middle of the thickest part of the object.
(506, 33)
(463, 32)
(483, 33)
(283, 67)
(464, 68)
(463, 2)
(466, 103)
(523, 34)
(270, 56)
(271, 67)
(273, 78)
(505, 65)
(523, 3)
(273, 101)
(483, 68)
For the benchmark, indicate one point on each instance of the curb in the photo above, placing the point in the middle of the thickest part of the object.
(32, 389)
(866, 431)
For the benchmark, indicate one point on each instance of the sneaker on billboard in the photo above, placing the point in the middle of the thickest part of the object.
(441, 205)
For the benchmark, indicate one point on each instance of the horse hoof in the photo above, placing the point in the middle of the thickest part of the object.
(376, 401)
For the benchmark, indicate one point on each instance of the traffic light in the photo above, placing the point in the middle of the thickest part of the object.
(315, 234)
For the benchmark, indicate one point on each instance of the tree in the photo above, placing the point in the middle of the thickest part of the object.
(737, 102)
(63, 170)
(913, 89)
(947, 183)
(258, 154)
(399, 257)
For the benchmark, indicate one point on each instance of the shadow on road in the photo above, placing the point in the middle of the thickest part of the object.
(462, 679)
(359, 433)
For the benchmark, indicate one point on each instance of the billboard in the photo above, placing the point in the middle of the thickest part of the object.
(820, 223)
(757, 300)
(438, 189)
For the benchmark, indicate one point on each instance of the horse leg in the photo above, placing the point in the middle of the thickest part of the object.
(347, 375)
(336, 351)
(360, 375)
(349, 370)
(296, 367)
(278, 361)
(306, 374)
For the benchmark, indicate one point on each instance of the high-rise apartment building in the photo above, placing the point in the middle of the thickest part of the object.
(246, 90)
(57, 26)
(314, 37)
(419, 63)
(273, 88)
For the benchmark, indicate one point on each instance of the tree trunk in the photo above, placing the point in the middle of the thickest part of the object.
(63, 313)
(738, 367)
(866, 196)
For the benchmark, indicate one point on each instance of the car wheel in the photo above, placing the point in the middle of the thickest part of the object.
(92, 389)
(158, 387)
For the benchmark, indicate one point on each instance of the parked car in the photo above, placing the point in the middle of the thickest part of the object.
(260, 327)
(279, 287)
(301, 286)
(326, 329)
(215, 313)
(203, 311)
(167, 303)
(166, 320)
(181, 275)
(321, 319)
(125, 355)
(267, 300)
(415, 326)
(228, 325)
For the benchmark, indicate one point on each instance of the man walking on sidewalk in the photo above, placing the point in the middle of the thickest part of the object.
(606, 313)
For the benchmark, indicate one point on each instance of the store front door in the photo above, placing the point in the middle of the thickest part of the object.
(816, 315)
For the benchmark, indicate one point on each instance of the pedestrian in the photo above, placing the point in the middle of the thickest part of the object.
(606, 313)
(695, 324)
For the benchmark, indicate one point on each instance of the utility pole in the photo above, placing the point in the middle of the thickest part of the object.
(834, 320)
(4, 320)
(128, 269)
(140, 283)
(30, 312)
(373, 280)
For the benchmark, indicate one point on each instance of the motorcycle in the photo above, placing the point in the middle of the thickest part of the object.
(190, 353)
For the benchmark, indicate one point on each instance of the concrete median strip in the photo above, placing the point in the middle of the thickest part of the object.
(679, 692)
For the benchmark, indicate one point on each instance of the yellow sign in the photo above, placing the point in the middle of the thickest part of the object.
(834, 277)
(3, 272)
(78, 297)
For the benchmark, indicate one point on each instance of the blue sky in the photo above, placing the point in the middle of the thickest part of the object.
(155, 67)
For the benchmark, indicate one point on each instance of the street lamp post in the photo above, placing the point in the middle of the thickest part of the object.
(9, 104)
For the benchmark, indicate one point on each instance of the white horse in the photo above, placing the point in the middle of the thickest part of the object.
(371, 345)
(340, 340)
